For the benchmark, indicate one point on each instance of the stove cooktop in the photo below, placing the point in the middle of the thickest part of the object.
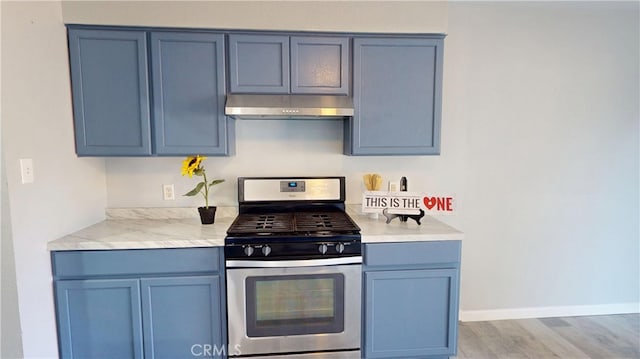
(288, 224)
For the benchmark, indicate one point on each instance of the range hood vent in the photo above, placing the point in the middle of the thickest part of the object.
(288, 106)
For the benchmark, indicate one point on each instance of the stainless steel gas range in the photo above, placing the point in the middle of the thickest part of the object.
(293, 263)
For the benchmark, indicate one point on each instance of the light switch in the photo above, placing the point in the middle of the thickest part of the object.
(26, 170)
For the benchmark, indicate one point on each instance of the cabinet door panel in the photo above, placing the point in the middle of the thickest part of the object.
(320, 65)
(99, 318)
(259, 63)
(180, 313)
(397, 96)
(110, 92)
(410, 313)
(189, 93)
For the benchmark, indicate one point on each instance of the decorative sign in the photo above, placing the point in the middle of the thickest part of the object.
(406, 202)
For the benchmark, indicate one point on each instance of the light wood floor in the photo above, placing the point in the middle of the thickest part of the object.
(606, 336)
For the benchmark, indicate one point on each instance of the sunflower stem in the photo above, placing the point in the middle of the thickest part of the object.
(206, 189)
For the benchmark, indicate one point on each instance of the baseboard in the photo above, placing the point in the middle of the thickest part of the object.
(546, 312)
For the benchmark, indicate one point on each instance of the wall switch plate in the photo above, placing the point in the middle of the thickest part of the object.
(168, 192)
(26, 170)
(394, 186)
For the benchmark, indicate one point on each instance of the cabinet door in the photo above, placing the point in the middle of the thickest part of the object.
(110, 92)
(320, 65)
(258, 63)
(410, 313)
(182, 316)
(99, 318)
(397, 87)
(189, 94)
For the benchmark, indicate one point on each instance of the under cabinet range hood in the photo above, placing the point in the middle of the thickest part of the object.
(288, 106)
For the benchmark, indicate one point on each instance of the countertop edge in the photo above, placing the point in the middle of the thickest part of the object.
(94, 246)
(411, 238)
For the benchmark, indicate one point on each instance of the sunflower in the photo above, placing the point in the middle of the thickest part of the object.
(191, 165)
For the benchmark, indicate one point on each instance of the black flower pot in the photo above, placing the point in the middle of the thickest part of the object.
(207, 214)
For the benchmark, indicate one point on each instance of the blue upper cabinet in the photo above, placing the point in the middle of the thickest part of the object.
(397, 93)
(259, 63)
(147, 92)
(284, 64)
(189, 93)
(110, 92)
(320, 65)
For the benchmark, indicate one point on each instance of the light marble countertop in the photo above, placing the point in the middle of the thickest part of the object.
(179, 228)
(377, 230)
(144, 233)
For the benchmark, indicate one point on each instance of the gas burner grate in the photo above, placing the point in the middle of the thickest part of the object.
(265, 222)
(262, 224)
(323, 222)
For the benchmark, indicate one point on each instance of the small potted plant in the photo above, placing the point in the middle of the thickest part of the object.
(193, 166)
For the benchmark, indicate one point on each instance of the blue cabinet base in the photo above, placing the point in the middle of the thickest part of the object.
(156, 303)
(411, 299)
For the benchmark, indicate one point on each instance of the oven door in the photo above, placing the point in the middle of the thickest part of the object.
(294, 306)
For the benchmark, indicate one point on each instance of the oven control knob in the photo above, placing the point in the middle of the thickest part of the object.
(248, 250)
(322, 248)
(339, 247)
(266, 250)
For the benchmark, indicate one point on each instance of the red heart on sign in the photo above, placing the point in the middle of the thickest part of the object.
(429, 202)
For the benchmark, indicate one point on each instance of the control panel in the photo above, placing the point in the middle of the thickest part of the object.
(274, 251)
(290, 189)
(292, 186)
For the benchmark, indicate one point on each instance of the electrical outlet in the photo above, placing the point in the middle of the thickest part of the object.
(168, 193)
(26, 170)
(394, 186)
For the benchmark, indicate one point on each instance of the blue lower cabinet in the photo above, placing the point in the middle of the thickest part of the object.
(182, 316)
(99, 318)
(411, 293)
(135, 304)
(409, 313)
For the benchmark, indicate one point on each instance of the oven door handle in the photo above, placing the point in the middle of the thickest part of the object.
(292, 263)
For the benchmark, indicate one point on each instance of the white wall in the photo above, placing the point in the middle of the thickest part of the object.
(341, 15)
(280, 148)
(68, 192)
(549, 94)
(10, 333)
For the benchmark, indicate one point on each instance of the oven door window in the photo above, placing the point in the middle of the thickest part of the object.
(295, 304)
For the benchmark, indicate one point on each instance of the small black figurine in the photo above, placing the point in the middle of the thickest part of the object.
(403, 217)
